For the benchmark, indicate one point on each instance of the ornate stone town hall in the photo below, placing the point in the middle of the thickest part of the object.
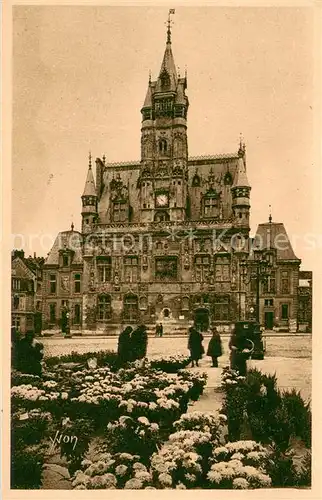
(163, 238)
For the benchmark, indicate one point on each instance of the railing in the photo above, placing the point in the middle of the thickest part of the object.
(187, 224)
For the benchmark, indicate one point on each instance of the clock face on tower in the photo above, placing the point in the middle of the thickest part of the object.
(162, 200)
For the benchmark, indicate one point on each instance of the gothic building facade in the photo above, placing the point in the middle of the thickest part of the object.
(148, 247)
(162, 238)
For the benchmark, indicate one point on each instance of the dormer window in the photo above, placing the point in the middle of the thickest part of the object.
(196, 181)
(165, 80)
(211, 205)
(120, 211)
(228, 180)
(65, 260)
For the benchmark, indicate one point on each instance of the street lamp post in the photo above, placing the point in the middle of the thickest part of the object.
(257, 269)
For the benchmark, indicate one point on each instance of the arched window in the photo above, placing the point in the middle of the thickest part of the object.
(163, 146)
(185, 304)
(131, 307)
(104, 307)
(166, 313)
(161, 216)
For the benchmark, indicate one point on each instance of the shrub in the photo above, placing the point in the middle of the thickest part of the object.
(137, 436)
(273, 417)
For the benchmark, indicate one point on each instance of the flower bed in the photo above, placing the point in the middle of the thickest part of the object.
(256, 407)
(134, 395)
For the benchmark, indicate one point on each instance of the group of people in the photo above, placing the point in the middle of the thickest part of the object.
(240, 349)
(159, 330)
(132, 344)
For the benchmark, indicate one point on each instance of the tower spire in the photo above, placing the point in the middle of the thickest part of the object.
(90, 160)
(171, 11)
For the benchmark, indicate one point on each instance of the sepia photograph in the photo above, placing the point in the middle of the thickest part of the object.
(163, 244)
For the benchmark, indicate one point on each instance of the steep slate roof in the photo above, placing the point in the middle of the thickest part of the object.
(89, 189)
(148, 97)
(274, 235)
(168, 66)
(240, 179)
(71, 240)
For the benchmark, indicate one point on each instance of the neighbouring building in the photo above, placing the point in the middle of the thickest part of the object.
(279, 289)
(26, 292)
(163, 238)
(304, 316)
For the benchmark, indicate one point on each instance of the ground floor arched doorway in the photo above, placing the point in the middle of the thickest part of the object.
(201, 319)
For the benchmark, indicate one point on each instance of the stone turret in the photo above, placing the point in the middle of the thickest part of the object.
(89, 201)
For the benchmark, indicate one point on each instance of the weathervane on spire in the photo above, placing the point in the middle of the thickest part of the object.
(90, 160)
(270, 214)
(171, 11)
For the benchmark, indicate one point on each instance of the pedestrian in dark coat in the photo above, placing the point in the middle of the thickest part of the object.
(214, 347)
(195, 346)
(240, 350)
(124, 345)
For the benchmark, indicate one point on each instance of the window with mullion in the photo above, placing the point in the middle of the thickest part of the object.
(210, 207)
(104, 307)
(104, 268)
(119, 212)
(131, 267)
(222, 268)
(202, 265)
(131, 307)
(269, 283)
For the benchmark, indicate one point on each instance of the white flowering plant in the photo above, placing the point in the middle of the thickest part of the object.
(230, 378)
(239, 465)
(112, 471)
(181, 461)
(137, 436)
(170, 364)
(205, 422)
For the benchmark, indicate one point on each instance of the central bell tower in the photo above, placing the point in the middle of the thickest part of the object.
(164, 148)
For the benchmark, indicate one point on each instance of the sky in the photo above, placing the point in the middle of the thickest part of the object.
(80, 76)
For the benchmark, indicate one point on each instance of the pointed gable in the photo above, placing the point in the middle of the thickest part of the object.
(20, 270)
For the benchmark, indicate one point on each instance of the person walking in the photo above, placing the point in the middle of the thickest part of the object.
(240, 350)
(124, 345)
(214, 347)
(195, 345)
(161, 330)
